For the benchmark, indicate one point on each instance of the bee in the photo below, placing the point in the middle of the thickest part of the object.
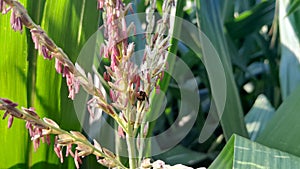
(142, 96)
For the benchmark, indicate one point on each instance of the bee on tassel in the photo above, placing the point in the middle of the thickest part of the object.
(142, 96)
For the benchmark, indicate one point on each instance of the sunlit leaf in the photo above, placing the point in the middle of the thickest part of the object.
(35, 82)
(290, 52)
(243, 153)
(282, 132)
(13, 85)
(258, 117)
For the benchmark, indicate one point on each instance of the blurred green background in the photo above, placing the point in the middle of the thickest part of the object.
(257, 42)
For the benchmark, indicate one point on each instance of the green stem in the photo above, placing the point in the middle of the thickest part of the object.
(131, 147)
(142, 141)
(117, 144)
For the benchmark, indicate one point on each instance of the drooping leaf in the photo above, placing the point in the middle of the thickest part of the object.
(282, 132)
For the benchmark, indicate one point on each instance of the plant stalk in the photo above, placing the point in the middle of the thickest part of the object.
(131, 148)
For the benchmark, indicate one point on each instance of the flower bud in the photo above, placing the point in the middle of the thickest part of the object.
(108, 163)
(26, 20)
(50, 122)
(84, 150)
(15, 20)
(146, 163)
(65, 139)
(78, 135)
(108, 153)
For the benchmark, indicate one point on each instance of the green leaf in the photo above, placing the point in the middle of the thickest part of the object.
(243, 153)
(251, 20)
(289, 72)
(181, 155)
(294, 6)
(139, 4)
(211, 23)
(18, 166)
(225, 158)
(43, 164)
(13, 85)
(258, 117)
(282, 132)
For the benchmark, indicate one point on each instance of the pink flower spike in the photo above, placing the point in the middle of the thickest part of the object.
(48, 140)
(36, 144)
(148, 78)
(5, 114)
(121, 132)
(77, 86)
(35, 37)
(90, 106)
(72, 82)
(46, 53)
(58, 66)
(58, 150)
(69, 150)
(114, 62)
(29, 127)
(65, 71)
(9, 102)
(106, 76)
(69, 77)
(77, 159)
(112, 95)
(118, 4)
(138, 82)
(71, 94)
(61, 156)
(100, 4)
(2, 6)
(146, 128)
(157, 89)
(115, 51)
(16, 22)
(10, 121)
(30, 111)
